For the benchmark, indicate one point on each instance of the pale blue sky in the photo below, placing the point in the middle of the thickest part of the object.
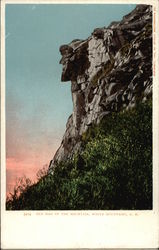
(37, 103)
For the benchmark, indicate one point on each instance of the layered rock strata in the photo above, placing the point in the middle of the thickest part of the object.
(109, 71)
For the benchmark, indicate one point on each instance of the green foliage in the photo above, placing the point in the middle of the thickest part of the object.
(114, 170)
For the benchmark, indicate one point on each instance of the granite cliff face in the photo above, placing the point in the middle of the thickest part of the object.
(109, 71)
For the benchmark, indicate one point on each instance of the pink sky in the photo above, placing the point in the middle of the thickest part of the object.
(37, 104)
(27, 162)
(31, 141)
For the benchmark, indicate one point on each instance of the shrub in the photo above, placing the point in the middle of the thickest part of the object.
(113, 171)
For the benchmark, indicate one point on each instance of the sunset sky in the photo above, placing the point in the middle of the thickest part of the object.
(37, 103)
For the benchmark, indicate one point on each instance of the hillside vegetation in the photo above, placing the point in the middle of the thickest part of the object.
(112, 171)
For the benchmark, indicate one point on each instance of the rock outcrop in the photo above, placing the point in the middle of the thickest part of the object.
(109, 71)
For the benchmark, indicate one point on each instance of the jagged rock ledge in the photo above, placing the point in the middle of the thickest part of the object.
(110, 70)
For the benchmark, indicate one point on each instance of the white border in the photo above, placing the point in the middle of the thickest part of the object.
(82, 229)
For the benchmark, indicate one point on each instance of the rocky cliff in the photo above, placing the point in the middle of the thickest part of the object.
(109, 71)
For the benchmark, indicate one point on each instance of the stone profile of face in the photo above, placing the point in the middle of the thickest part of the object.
(74, 60)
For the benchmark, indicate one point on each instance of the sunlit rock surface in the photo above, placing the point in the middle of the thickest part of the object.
(109, 71)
